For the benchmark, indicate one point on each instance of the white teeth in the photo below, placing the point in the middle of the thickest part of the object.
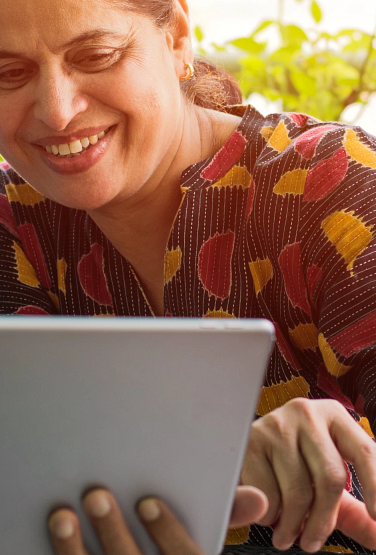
(85, 142)
(75, 147)
(64, 150)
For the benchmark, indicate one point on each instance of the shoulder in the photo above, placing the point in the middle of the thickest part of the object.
(310, 158)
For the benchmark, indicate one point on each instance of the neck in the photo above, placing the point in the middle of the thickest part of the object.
(139, 226)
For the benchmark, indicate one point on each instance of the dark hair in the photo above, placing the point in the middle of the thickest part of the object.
(211, 86)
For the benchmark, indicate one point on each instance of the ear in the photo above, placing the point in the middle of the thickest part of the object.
(179, 37)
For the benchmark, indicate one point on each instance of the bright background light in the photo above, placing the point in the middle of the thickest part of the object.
(223, 20)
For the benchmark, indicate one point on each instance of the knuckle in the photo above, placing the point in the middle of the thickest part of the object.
(367, 450)
(302, 409)
(333, 482)
(274, 424)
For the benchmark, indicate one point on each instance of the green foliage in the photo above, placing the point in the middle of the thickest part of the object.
(309, 70)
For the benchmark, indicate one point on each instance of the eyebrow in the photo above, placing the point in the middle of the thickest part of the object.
(96, 34)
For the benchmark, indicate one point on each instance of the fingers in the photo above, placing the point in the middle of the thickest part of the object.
(66, 533)
(114, 535)
(329, 477)
(297, 495)
(107, 521)
(259, 473)
(357, 448)
(164, 528)
(250, 505)
(109, 524)
(354, 521)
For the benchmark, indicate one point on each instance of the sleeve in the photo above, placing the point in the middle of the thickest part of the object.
(340, 199)
(20, 289)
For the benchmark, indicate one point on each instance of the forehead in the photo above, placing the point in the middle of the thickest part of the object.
(51, 23)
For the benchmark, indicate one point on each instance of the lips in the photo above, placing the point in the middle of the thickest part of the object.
(86, 160)
(87, 132)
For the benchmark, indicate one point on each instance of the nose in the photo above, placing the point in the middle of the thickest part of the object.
(58, 100)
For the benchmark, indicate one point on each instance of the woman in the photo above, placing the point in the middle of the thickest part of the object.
(103, 116)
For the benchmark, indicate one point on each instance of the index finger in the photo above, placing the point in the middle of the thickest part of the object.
(355, 522)
(357, 448)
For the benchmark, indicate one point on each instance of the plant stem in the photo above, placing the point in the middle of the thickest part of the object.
(356, 92)
(281, 10)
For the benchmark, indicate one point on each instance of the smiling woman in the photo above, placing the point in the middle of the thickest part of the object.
(133, 186)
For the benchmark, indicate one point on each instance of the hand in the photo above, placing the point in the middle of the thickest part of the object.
(163, 527)
(295, 456)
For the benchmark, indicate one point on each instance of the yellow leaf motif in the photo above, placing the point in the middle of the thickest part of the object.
(238, 176)
(172, 263)
(236, 536)
(61, 273)
(292, 183)
(275, 396)
(332, 364)
(23, 193)
(364, 423)
(267, 132)
(218, 314)
(280, 139)
(359, 151)
(26, 272)
(305, 336)
(336, 548)
(104, 315)
(262, 272)
(349, 235)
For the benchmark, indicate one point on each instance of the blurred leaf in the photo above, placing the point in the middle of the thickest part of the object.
(218, 48)
(361, 44)
(198, 33)
(316, 11)
(292, 34)
(249, 45)
(262, 26)
(346, 33)
(308, 70)
(303, 83)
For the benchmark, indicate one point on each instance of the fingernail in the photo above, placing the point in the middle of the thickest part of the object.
(149, 510)
(61, 527)
(97, 504)
(315, 546)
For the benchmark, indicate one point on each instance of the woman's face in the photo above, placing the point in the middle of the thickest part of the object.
(71, 69)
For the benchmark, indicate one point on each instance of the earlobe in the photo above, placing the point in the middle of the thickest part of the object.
(178, 39)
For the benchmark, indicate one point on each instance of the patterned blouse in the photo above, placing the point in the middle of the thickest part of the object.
(279, 224)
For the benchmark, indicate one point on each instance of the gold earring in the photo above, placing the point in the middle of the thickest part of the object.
(191, 71)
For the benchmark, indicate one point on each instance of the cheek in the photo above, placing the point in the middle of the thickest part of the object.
(10, 123)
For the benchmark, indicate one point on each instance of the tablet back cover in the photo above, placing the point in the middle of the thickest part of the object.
(144, 407)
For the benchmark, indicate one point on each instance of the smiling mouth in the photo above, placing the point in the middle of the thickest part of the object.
(76, 148)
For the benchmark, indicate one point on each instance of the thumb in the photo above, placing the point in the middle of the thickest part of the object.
(354, 521)
(250, 505)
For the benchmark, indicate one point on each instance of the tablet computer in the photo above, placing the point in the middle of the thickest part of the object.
(143, 406)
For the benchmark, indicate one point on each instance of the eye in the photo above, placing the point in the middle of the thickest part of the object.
(96, 61)
(12, 77)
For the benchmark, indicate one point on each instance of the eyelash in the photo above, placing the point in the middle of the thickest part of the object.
(99, 58)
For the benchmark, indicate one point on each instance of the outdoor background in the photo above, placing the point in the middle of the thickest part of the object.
(313, 56)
